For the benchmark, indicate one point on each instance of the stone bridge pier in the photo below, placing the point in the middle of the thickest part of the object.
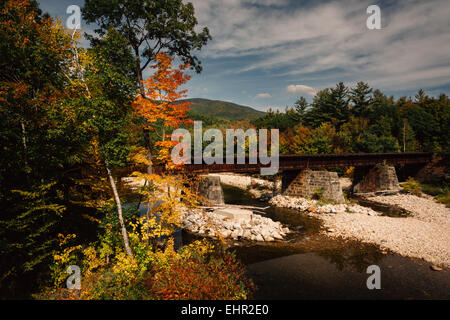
(210, 191)
(375, 178)
(306, 183)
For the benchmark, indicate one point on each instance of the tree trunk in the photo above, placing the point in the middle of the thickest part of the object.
(139, 72)
(404, 135)
(25, 149)
(140, 79)
(142, 92)
(149, 158)
(119, 211)
(24, 142)
(149, 153)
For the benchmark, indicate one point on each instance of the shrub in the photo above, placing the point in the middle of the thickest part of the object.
(440, 192)
(432, 190)
(412, 186)
(318, 194)
(349, 172)
(445, 198)
(219, 277)
(200, 270)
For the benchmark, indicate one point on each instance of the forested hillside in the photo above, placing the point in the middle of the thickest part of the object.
(221, 110)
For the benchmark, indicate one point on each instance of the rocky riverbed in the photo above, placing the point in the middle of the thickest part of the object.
(315, 206)
(239, 224)
(424, 234)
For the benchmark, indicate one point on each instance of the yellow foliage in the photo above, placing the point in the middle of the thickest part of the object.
(92, 190)
(140, 157)
(198, 248)
(91, 261)
(169, 198)
(349, 172)
(63, 258)
(126, 267)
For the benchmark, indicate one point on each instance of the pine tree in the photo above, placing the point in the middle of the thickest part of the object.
(361, 99)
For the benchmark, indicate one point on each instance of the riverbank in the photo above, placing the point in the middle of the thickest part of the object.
(424, 234)
(255, 186)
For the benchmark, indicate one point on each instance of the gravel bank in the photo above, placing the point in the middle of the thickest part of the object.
(424, 209)
(425, 234)
(243, 182)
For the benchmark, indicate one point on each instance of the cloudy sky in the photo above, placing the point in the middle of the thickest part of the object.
(267, 53)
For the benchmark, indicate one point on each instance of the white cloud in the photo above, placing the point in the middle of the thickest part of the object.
(330, 41)
(301, 89)
(263, 96)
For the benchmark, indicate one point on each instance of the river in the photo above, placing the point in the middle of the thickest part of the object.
(311, 265)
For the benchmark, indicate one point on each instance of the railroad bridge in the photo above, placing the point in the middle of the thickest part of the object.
(373, 171)
(300, 162)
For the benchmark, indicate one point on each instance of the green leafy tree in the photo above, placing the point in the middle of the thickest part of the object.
(424, 124)
(364, 120)
(105, 107)
(275, 120)
(421, 98)
(408, 138)
(372, 143)
(441, 110)
(150, 27)
(322, 139)
(38, 137)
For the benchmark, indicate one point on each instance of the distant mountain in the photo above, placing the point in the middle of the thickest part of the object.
(222, 110)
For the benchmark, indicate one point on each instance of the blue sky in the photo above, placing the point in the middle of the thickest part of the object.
(267, 53)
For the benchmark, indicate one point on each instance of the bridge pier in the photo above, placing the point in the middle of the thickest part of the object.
(437, 170)
(306, 183)
(286, 179)
(380, 177)
(210, 190)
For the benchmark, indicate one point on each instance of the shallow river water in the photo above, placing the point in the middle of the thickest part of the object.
(311, 265)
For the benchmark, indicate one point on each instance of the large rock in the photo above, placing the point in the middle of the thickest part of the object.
(211, 191)
(235, 214)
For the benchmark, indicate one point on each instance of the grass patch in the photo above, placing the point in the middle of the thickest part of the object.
(325, 202)
(440, 192)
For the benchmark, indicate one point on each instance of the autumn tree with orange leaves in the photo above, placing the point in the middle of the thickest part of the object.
(66, 128)
(161, 108)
